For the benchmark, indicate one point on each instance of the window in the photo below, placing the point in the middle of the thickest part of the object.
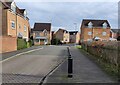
(25, 28)
(104, 33)
(90, 25)
(104, 25)
(20, 35)
(45, 34)
(37, 40)
(89, 33)
(37, 34)
(89, 39)
(13, 25)
(25, 14)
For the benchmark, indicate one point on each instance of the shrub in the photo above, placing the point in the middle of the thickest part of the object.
(21, 44)
(56, 41)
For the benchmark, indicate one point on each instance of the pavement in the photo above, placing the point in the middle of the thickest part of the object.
(34, 66)
(10, 54)
(84, 71)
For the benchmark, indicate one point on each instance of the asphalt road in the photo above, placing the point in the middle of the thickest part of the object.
(32, 67)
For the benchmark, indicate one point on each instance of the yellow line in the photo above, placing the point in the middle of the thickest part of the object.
(21, 54)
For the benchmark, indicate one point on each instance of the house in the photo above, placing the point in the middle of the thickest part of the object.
(42, 33)
(15, 23)
(114, 33)
(74, 37)
(95, 30)
(62, 35)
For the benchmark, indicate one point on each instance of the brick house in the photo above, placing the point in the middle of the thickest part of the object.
(95, 30)
(63, 35)
(114, 33)
(15, 23)
(74, 37)
(42, 33)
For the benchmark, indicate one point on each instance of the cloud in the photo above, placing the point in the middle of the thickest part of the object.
(65, 14)
(67, 0)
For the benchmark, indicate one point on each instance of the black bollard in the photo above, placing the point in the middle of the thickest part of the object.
(70, 67)
(69, 55)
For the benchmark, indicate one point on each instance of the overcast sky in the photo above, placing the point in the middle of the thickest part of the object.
(65, 14)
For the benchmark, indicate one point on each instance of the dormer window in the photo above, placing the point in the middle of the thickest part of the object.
(25, 13)
(45, 32)
(90, 25)
(13, 7)
(105, 25)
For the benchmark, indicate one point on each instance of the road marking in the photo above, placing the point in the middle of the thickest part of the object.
(21, 54)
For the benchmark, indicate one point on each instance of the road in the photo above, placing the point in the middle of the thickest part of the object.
(32, 67)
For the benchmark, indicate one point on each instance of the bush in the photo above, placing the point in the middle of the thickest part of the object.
(56, 41)
(29, 43)
(21, 44)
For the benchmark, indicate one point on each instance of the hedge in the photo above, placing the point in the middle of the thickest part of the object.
(21, 44)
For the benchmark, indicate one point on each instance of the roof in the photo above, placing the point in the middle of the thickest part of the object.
(63, 30)
(42, 27)
(18, 11)
(73, 32)
(116, 30)
(6, 4)
(40, 38)
(96, 23)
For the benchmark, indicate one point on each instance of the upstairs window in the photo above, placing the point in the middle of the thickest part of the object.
(90, 25)
(25, 28)
(105, 25)
(89, 33)
(45, 33)
(12, 24)
(37, 34)
(104, 33)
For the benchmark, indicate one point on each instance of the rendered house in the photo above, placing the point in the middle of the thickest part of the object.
(15, 23)
(74, 37)
(63, 35)
(42, 33)
(95, 30)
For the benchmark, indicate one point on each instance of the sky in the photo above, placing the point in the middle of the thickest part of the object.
(68, 14)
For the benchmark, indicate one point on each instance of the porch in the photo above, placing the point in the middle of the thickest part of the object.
(40, 41)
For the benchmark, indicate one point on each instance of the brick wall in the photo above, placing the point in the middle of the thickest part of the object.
(95, 32)
(8, 44)
(59, 35)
